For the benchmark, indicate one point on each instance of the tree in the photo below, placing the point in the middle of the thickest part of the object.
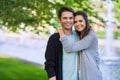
(36, 13)
(117, 9)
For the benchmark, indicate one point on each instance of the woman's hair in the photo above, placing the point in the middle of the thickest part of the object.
(88, 27)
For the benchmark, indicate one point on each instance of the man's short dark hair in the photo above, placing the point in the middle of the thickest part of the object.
(64, 8)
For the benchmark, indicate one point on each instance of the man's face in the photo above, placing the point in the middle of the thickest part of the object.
(66, 20)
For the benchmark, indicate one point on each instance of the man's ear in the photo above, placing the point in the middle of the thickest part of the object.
(59, 20)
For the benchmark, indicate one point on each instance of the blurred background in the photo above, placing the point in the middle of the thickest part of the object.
(25, 26)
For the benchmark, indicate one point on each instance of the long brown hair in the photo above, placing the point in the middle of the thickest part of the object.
(87, 28)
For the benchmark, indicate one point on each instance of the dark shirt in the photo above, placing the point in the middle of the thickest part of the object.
(53, 56)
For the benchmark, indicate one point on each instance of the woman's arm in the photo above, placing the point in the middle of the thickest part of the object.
(79, 45)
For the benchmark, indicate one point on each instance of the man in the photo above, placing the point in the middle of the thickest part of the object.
(59, 64)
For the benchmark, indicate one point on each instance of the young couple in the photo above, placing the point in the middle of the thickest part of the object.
(73, 54)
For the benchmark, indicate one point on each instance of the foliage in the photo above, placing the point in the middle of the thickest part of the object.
(117, 34)
(29, 12)
(101, 34)
(117, 9)
(13, 69)
(38, 12)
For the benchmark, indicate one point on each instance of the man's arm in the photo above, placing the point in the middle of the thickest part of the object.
(50, 59)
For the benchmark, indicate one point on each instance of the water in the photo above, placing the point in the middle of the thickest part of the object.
(110, 65)
(109, 48)
(110, 71)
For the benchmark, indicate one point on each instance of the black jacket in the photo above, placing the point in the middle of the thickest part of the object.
(53, 56)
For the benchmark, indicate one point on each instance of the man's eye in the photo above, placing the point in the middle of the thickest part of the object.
(71, 17)
(64, 18)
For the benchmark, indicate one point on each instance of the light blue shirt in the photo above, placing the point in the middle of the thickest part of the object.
(89, 56)
(70, 62)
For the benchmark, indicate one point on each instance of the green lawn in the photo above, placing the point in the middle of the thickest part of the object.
(14, 69)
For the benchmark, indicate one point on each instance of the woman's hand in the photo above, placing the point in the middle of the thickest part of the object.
(60, 31)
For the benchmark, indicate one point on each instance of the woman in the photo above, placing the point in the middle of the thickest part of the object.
(87, 45)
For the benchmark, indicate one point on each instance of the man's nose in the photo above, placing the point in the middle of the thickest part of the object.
(68, 19)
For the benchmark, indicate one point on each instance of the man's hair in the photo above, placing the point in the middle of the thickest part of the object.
(64, 8)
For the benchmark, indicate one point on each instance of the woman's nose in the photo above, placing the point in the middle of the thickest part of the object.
(77, 23)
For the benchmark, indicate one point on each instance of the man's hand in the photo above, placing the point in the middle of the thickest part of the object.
(52, 78)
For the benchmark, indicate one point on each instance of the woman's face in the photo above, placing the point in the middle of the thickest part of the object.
(79, 23)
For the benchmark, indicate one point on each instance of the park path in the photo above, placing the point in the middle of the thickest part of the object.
(31, 50)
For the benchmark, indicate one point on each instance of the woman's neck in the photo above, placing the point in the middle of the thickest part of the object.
(82, 33)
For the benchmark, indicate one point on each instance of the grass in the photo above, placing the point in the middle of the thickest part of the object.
(14, 69)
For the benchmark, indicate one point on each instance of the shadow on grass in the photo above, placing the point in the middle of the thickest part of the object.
(14, 69)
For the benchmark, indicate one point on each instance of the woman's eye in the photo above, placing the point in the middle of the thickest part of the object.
(75, 21)
(80, 20)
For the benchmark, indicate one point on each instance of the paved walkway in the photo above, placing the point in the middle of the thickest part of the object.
(31, 49)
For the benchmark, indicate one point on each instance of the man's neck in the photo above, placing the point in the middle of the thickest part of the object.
(67, 32)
